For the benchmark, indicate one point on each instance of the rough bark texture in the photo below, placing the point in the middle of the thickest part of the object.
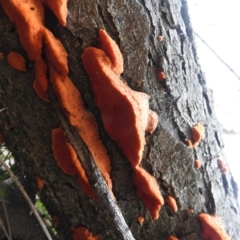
(181, 101)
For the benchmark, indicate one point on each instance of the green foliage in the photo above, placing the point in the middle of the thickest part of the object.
(47, 218)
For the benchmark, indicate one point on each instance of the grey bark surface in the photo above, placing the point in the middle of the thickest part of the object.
(180, 102)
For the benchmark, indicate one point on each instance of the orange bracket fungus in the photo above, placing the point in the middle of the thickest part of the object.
(197, 164)
(1, 56)
(16, 61)
(125, 113)
(67, 160)
(59, 8)
(197, 134)
(27, 14)
(36, 38)
(222, 166)
(82, 233)
(212, 227)
(172, 203)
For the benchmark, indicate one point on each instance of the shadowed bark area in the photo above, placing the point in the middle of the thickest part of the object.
(180, 102)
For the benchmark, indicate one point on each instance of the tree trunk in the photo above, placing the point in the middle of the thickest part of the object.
(181, 101)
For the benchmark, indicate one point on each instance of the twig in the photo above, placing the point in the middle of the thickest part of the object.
(112, 212)
(25, 195)
(4, 230)
(7, 219)
(2, 109)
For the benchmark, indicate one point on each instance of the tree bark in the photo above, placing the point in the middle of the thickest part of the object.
(181, 101)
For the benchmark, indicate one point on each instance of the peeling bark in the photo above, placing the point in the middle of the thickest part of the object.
(181, 101)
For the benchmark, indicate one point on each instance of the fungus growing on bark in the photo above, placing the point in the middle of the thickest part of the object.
(82, 233)
(161, 76)
(212, 227)
(148, 191)
(17, 61)
(125, 113)
(70, 100)
(188, 143)
(190, 211)
(34, 39)
(172, 203)
(59, 9)
(197, 164)
(40, 183)
(67, 160)
(197, 134)
(34, 36)
(152, 121)
(1, 56)
(140, 219)
(171, 237)
(160, 38)
(222, 166)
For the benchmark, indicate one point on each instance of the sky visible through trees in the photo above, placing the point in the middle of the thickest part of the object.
(217, 23)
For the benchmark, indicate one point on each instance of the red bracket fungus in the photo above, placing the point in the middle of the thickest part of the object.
(197, 134)
(82, 233)
(172, 203)
(17, 61)
(125, 113)
(212, 227)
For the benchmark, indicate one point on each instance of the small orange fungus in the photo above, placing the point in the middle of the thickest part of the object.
(212, 227)
(1, 56)
(152, 121)
(161, 76)
(198, 164)
(160, 38)
(188, 143)
(140, 219)
(16, 61)
(171, 237)
(40, 183)
(222, 166)
(190, 211)
(197, 134)
(82, 233)
(172, 203)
